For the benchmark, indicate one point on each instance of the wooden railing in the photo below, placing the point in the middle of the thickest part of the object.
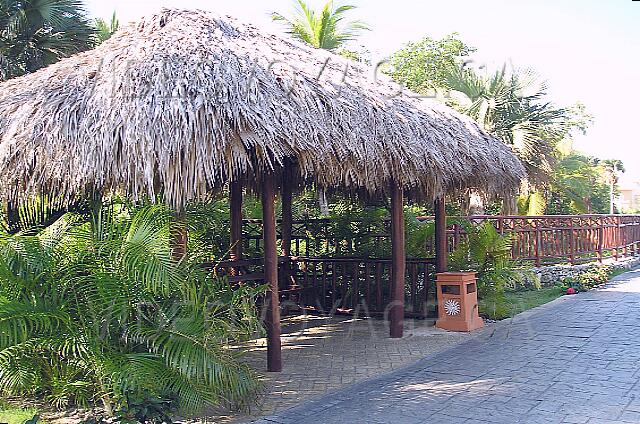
(342, 285)
(349, 273)
(361, 285)
(562, 238)
(538, 240)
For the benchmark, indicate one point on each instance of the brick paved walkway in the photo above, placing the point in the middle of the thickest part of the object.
(322, 354)
(575, 360)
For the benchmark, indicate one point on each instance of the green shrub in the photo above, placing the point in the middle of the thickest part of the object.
(147, 408)
(591, 278)
(525, 279)
(95, 309)
(488, 253)
(16, 415)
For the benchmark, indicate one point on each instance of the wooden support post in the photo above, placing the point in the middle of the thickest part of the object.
(441, 235)
(456, 235)
(624, 237)
(272, 300)
(398, 263)
(179, 236)
(286, 224)
(572, 242)
(616, 239)
(287, 214)
(600, 238)
(235, 201)
(538, 243)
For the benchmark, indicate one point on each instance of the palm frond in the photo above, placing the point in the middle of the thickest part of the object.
(323, 29)
(20, 321)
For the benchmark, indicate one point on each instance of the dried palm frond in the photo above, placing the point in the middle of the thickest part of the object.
(183, 102)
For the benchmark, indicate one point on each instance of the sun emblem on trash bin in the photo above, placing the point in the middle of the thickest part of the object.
(452, 307)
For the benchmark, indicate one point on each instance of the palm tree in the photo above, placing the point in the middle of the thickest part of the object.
(106, 29)
(323, 29)
(513, 108)
(95, 309)
(37, 33)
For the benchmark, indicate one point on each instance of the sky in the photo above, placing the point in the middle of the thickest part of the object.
(587, 50)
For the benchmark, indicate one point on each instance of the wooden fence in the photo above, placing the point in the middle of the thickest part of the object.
(343, 265)
(349, 285)
(361, 285)
(570, 239)
(538, 240)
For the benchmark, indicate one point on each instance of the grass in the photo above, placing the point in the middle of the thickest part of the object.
(520, 301)
(12, 415)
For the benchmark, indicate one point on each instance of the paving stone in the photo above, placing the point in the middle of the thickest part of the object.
(576, 360)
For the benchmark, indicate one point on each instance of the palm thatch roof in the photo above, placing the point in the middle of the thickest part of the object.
(183, 102)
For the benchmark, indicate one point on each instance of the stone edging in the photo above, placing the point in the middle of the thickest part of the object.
(551, 275)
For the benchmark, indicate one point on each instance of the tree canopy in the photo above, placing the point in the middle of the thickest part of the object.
(514, 107)
(323, 29)
(578, 186)
(423, 67)
(37, 33)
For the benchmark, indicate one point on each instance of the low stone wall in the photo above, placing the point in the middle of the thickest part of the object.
(551, 275)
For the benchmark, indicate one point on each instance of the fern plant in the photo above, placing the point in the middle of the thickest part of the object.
(95, 309)
(488, 253)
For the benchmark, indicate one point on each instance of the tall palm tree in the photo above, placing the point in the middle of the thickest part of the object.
(37, 33)
(323, 29)
(512, 107)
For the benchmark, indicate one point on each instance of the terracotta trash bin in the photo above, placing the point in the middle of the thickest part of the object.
(458, 301)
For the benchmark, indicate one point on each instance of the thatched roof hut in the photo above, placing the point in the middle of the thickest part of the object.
(183, 102)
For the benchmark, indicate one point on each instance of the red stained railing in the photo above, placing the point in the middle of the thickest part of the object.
(562, 238)
(341, 266)
(538, 240)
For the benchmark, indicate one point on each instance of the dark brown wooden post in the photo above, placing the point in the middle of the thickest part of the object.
(456, 235)
(179, 236)
(272, 301)
(634, 235)
(441, 235)
(624, 237)
(616, 239)
(235, 201)
(286, 195)
(287, 214)
(398, 262)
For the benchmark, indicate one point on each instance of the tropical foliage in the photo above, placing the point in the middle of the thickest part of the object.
(104, 29)
(94, 308)
(611, 169)
(38, 213)
(423, 67)
(578, 185)
(323, 29)
(37, 33)
(488, 253)
(513, 106)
